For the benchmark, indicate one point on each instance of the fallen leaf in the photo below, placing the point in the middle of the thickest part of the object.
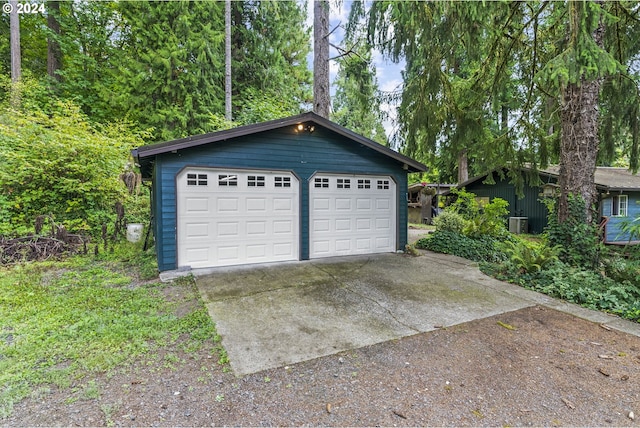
(568, 403)
(507, 326)
(604, 372)
(606, 327)
(624, 377)
(398, 414)
(477, 413)
(605, 357)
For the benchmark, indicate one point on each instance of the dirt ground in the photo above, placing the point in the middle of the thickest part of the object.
(532, 367)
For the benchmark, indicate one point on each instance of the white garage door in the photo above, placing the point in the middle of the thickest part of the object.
(232, 217)
(351, 214)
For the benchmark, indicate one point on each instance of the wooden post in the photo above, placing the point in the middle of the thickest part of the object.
(425, 208)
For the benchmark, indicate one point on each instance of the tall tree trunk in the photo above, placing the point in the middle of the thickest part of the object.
(321, 94)
(53, 47)
(227, 60)
(463, 166)
(16, 67)
(579, 142)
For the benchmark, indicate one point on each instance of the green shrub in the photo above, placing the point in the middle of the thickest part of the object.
(584, 287)
(465, 203)
(621, 270)
(578, 239)
(449, 221)
(488, 219)
(528, 256)
(448, 242)
(56, 163)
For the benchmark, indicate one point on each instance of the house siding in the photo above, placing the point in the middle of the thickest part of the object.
(613, 231)
(283, 149)
(529, 206)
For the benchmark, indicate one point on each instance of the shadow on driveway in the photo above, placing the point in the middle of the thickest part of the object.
(279, 314)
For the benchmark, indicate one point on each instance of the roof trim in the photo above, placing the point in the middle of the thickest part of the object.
(553, 172)
(198, 140)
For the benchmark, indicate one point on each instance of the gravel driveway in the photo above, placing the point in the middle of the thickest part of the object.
(535, 366)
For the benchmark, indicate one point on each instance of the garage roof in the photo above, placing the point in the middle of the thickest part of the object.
(145, 154)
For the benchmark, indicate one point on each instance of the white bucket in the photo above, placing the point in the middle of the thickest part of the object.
(134, 232)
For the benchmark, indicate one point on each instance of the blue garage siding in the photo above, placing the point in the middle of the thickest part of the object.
(613, 230)
(302, 153)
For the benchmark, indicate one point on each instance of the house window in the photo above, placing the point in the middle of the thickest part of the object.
(282, 181)
(196, 179)
(255, 181)
(383, 184)
(321, 182)
(619, 205)
(344, 183)
(364, 184)
(227, 180)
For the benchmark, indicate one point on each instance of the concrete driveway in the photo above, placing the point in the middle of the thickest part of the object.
(279, 314)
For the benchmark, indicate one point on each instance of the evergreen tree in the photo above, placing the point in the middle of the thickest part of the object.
(173, 79)
(507, 82)
(270, 45)
(356, 104)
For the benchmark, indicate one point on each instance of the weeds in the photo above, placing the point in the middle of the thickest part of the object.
(63, 320)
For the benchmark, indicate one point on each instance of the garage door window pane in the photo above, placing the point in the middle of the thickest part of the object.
(383, 184)
(227, 180)
(321, 182)
(197, 179)
(344, 183)
(283, 181)
(255, 181)
(364, 184)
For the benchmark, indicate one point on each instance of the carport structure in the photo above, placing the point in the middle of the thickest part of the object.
(297, 188)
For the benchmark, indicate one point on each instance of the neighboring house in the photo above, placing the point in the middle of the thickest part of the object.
(298, 188)
(619, 193)
(416, 200)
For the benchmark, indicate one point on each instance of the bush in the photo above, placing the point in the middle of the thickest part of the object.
(621, 270)
(528, 256)
(449, 242)
(449, 221)
(56, 163)
(577, 239)
(584, 287)
(489, 219)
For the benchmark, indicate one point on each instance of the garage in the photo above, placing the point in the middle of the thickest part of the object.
(229, 217)
(351, 214)
(296, 188)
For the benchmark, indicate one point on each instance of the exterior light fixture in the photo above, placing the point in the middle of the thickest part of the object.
(302, 127)
(549, 190)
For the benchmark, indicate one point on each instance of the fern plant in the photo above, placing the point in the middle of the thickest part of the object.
(529, 257)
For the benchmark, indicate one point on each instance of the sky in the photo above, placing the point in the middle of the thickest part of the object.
(387, 73)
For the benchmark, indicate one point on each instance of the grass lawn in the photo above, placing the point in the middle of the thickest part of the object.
(63, 320)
